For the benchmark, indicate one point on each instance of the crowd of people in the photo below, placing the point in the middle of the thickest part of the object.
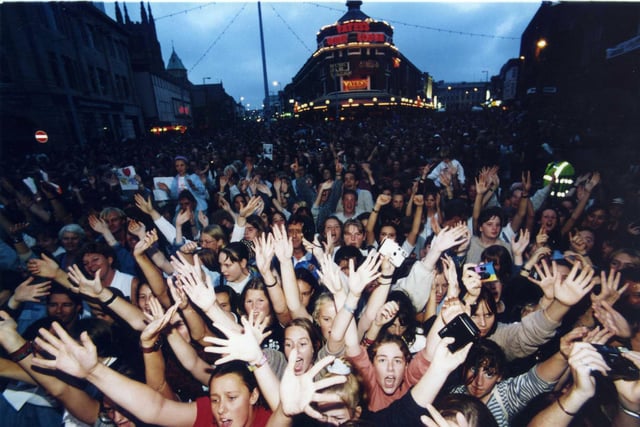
(470, 269)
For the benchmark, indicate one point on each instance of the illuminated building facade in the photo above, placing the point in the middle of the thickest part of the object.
(356, 66)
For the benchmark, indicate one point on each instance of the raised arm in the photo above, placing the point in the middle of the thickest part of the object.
(81, 360)
(150, 271)
(93, 288)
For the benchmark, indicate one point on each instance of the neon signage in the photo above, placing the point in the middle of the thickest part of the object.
(353, 26)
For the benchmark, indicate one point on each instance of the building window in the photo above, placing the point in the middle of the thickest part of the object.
(70, 71)
(55, 71)
(103, 78)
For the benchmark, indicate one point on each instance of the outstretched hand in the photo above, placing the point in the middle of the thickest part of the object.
(298, 391)
(77, 359)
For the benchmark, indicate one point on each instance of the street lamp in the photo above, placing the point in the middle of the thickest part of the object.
(205, 78)
(542, 43)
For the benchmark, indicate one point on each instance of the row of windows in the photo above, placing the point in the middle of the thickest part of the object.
(355, 51)
(95, 80)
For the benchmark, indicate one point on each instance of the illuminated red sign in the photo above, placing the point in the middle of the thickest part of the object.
(355, 84)
(353, 26)
(371, 37)
(334, 40)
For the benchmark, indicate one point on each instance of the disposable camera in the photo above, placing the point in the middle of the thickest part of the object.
(462, 330)
(621, 367)
(486, 271)
(393, 251)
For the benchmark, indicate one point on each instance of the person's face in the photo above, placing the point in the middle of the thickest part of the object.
(633, 295)
(397, 201)
(144, 298)
(238, 202)
(596, 219)
(181, 167)
(115, 222)
(132, 240)
(389, 364)
(306, 292)
(549, 219)
(349, 203)
(277, 220)
(349, 181)
(515, 198)
(186, 204)
(232, 401)
(387, 232)
(396, 328)
(298, 338)
(430, 201)
(337, 415)
(472, 192)
(622, 261)
(46, 242)
(256, 302)
(295, 232)
(208, 242)
(332, 227)
(481, 385)
(61, 308)
(224, 301)
(326, 174)
(495, 288)
(94, 262)
(232, 271)
(326, 314)
(70, 241)
(353, 236)
(483, 318)
(491, 228)
(250, 232)
(442, 286)
(589, 239)
(111, 410)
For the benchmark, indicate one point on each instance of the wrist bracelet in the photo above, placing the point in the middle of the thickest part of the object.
(571, 414)
(629, 411)
(22, 352)
(111, 299)
(275, 282)
(563, 354)
(263, 361)
(374, 210)
(351, 310)
(155, 347)
(386, 276)
(366, 341)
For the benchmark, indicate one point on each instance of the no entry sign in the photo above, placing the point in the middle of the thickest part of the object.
(41, 136)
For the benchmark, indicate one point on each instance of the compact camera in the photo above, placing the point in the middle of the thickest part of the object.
(463, 331)
(486, 271)
(621, 367)
(393, 251)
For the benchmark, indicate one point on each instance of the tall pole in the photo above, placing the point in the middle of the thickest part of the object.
(267, 108)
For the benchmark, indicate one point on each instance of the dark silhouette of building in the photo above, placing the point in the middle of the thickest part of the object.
(583, 57)
(164, 93)
(65, 69)
(356, 67)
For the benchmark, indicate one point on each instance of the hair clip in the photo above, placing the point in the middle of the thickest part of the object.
(338, 367)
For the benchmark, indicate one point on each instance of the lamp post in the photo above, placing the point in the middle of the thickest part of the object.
(205, 78)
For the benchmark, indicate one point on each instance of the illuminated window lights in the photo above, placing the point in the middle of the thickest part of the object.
(368, 104)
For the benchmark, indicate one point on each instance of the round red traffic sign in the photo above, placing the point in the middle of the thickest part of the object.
(41, 136)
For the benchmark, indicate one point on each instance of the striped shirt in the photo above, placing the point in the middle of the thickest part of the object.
(510, 396)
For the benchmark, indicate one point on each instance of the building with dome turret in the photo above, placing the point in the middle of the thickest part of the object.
(356, 68)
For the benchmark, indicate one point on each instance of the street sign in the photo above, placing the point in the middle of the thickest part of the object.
(41, 136)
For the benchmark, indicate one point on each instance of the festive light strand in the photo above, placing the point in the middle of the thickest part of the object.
(206, 52)
(426, 27)
(291, 29)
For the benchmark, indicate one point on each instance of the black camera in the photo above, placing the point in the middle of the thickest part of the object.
(621, 367)
(462, 329)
